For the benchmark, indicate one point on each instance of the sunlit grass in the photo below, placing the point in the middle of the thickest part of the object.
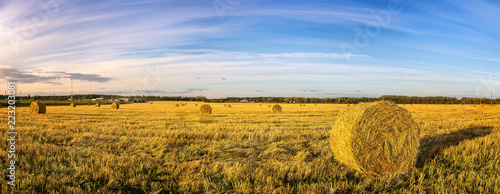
(163, 148)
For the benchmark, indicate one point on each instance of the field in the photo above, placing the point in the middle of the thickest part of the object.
(161, 148)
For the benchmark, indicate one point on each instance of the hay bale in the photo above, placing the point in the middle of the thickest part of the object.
(177, 105)
(229, 106)
(115, 106)
(376, 138)
(37, 108)
(276, 108)
(195, 104)
(97, 105)
(72, 105)
(206, 109)
(225, 104)
(269, 106)
(260, 105)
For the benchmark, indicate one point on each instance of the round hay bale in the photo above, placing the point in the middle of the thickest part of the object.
(72, 105)
(376, 138)
(97, 105)
(177, 105)
(260, 105)
(229, 106)
(225, 104)
(276, 108)
(269, 106)
(196, 105)
(206, 109)
(37, 108)
(115, 106)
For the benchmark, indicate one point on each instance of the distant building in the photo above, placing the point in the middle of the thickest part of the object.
(245, 100)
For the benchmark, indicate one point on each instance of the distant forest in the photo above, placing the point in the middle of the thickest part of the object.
(338, 100)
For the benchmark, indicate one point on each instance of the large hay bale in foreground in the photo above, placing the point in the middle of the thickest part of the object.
(276, 109)
(115, 106)
(72, 105)
(37, 108)
(206, 109)
(376, 138)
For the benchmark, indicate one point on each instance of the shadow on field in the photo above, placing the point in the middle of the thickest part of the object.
(432, 146)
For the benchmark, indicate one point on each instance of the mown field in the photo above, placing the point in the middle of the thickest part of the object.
(161, 148)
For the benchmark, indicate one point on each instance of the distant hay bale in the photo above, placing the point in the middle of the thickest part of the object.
(276, 108)
(225, 104)
(177, 105)
(376, 138)
(206, 109)
(229, 106)
(37, 108)
(72, 105)
(196, 105)
(269, 106)
(260, 105)
(97, 105)
(183, 104)
(300, 104)
(115, 106)
(303, 105)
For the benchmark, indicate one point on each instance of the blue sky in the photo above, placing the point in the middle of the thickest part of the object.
(313, 48)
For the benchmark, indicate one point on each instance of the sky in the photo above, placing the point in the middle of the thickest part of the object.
(239, 48)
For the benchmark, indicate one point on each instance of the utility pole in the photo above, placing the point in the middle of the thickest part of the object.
(71, 89)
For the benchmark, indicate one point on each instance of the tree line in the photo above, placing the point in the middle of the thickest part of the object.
(338, 100)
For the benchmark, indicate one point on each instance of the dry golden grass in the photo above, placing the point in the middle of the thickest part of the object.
(376, 138)
(245, 149)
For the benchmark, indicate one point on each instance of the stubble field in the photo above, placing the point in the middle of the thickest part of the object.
(161, 148)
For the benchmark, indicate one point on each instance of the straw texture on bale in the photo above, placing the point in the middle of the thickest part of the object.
(276, 109)
(72, 105)
(115, 106)
(206, 109)
(376, 138)
(37, 108)
(97, 105)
